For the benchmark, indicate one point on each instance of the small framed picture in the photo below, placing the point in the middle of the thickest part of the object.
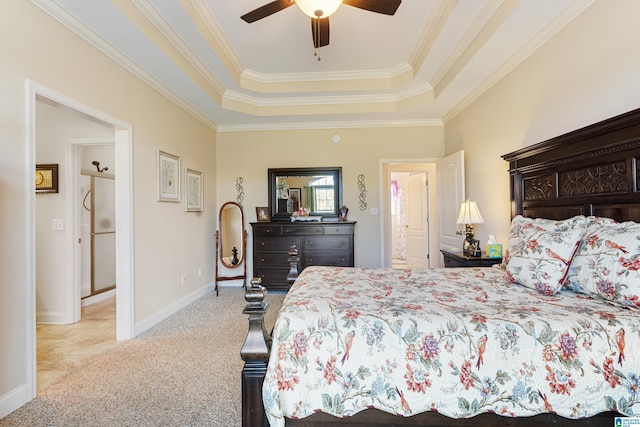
(342, 214)
(47, 178)
(168, 171)
(263, 214)
(193, 191)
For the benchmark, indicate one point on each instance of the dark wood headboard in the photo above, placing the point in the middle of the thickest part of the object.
(591, 171)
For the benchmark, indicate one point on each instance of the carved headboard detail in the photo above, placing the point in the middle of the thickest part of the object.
(591, 171)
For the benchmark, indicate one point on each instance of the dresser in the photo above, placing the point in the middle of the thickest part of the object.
(318, 243)
(457, 258)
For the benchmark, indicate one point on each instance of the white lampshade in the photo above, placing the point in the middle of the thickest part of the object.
(469, 213)
(309, 7)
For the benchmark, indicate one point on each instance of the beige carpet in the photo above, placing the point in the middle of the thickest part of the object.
(185, 371)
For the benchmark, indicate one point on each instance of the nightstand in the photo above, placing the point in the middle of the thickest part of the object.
(457, 258)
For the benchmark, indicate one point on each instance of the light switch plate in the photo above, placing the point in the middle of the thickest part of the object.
(373, 211)
(57, 224)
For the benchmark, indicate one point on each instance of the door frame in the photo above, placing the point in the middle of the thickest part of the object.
(386, 166)
(124, 220)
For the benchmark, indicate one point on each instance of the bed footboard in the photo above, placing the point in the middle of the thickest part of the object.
(255, 353)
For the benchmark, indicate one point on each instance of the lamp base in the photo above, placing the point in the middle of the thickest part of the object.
(471, 246)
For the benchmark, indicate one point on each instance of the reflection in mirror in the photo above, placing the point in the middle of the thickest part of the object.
(314, 191)
(231, 235)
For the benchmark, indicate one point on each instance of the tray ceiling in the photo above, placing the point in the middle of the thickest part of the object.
(418, 67)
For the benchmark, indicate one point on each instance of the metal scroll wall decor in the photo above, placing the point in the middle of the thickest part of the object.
(239, 190)
(363, 192)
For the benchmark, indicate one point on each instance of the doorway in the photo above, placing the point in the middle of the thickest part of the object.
(409, 214)
(97, 225)
(409, 220)
(66, 252)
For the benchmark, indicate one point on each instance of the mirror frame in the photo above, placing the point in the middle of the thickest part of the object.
(243, 240)
(274, 173)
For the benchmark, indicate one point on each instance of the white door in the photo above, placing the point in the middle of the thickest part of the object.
(450, 177)
(417, 217)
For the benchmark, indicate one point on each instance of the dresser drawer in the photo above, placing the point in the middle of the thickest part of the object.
(338, 229)
(453, 263)
(335, 259)
(306, 230)
(273, 278)
(270, 259)
(271, 244)
(268, 230)
(326, 243)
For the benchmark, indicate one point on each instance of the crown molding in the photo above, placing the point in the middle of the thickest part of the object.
(383, 79)
(150, 12)
(330, 125)
(73, 24)
(431, 32)
(569, 14)
(213, 35)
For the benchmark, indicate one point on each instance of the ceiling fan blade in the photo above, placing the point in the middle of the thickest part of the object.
(320, 31)
(266, 10)
(387, 7)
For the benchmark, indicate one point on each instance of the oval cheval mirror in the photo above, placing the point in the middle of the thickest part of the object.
(231, 242)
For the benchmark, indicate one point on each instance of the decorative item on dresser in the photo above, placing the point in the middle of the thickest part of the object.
(459, 258)
(318, 243)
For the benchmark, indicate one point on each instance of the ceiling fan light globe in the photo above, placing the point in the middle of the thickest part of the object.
(311, 7)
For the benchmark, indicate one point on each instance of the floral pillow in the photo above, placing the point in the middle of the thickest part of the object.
(540, 250)
(607, 264)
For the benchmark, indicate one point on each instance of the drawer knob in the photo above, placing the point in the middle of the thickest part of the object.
(310, 259)
(261, 259)
(310, 243)
(261, 243)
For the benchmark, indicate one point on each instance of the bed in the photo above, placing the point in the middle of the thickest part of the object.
(550, 337)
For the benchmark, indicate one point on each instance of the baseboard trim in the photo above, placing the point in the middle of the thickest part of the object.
(13, 400)
(159, 316)
(97, 298)
(52, 318)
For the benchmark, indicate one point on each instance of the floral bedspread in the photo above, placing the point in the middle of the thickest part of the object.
(457, 341)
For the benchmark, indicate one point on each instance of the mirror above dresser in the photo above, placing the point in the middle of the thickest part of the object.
(315, 191)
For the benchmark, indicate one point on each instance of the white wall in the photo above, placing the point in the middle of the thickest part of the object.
(587, 73)
(250, 154)
(168, 241)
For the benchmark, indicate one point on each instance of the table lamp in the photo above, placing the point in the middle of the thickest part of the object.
(469, 215)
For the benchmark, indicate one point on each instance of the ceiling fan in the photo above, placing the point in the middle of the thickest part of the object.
(319, 12)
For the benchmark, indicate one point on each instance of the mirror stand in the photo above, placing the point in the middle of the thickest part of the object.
(231, 243)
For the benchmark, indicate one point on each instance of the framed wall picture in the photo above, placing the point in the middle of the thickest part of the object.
(193, 191)
(47, 178)
(262, 214)
(168, 171)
